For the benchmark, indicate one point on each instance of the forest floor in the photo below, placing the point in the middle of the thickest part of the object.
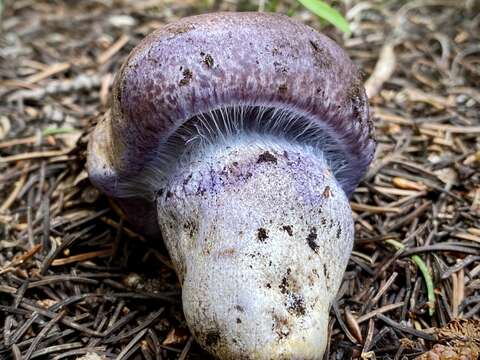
(75, 278)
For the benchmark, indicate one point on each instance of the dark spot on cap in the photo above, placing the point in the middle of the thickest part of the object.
(180, 29)
(314, 45)
(262, 234)
(327, 192)
(118, 93)
(239, 308)
(288, 229)
(208, 60)
(191, 227)
(227, 252)
(283, 286)
(187, 179)
(280, 68)
(267, 157)
(322, 57)
(311, 280)
(239, 321)
(281, 326)
(312, 239)
(187, 77)
(282, 89)
(354, 93)
(339, 232)
(268, 286)
(297, 305)
(212, 338)
(327, 276)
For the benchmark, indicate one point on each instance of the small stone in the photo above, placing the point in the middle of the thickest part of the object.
(133, 281)
(122, 21)
(92, 356)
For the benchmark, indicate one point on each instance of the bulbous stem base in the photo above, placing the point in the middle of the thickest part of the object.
(260, 233)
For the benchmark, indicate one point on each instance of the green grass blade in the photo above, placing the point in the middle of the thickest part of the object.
(52, 130)
(425, 272)
(428, 282)
(327, 13)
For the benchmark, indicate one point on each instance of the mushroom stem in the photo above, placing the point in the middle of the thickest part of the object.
(260, 232)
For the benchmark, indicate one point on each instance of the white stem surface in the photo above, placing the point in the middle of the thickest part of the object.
(260, 233)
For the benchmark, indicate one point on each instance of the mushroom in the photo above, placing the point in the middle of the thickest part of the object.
(238, 138)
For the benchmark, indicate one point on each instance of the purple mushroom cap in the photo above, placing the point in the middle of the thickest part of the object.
(213, 61)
